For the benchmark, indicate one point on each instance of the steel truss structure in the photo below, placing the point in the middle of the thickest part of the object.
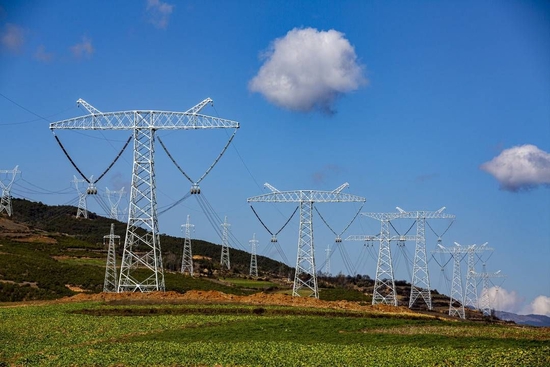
(224, 259)
(110, 284)
(82, 210)
(485, 302)
(5, 200)
(187, 257)
(142, 248)
(305, 276)
(253, 260)
(384, 283)
(457, 295)
(114, 202)
(420, 283)
(470, 299)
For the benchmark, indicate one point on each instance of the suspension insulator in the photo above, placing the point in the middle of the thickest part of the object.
(274, 239)
(195, 190)
(338, 240)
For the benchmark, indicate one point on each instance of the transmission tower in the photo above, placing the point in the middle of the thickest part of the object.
(224, 260)
(305, 275)
(485, 302)
(384, 283)
(327, 260)
(253, 260)
(470, 299)
(187, 258)
(81, 211)
(420, 283)
(114, 202)
(110, 284)
(5, 201)
(457, 296)
(142, 251)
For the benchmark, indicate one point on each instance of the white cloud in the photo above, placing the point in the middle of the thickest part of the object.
(520, 167)
(540, 306)
(503, 300)
(13, 37)
(83, 49)
(159, 13)
(308, 69)
(42, 55)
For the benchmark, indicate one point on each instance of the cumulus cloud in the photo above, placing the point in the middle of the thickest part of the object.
(540, 306)
(83, 48)
(159, 13)
(308, 69)
(520, 168)
(13, 37)
(42, 55)
(503, 300)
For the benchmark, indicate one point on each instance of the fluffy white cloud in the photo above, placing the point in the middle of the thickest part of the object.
(503, 300)
(83, 49)
(42, 55)
(540, 306)
(159, 13)
(308, 69)
(520, 167)
(13, 37)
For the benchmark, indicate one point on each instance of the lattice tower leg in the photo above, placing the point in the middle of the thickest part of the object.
(485, 302)
(224, 260)
(420, 284)
(384, 283)
(110, 283)
(305, 276)
(471, 283)
(82, 210)
(456, 289)
(142, 249)
(5, 202)
(187, 259)
(253, 264)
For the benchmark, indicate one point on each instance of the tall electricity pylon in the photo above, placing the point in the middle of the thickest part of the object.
(5, 201)
(81, 211)
(187, 258)
(110, 284)
(327, 260)
(224, 260)
(457, 295)
(253, 260)
(142, 250)
(485, 302)
(305, 275)
(384, 283)
(470, 299)
(420, 283)
(114, 202)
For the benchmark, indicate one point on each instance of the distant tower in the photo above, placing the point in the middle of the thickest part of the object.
(82, 211)
(114, 202)
(470, 299)
(253, 259)
(110, 284)
(5, 201)
(327, 261)
(485, 302)
(224, 261)
(187, 259)
(457, 252)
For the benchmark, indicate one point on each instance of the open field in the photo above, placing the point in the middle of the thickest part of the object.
(200, 330)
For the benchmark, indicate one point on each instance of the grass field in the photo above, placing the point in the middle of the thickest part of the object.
(133, 334)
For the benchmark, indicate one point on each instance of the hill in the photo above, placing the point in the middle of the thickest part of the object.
(532, 320)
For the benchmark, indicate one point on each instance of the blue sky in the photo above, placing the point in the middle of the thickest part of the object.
(416, 104)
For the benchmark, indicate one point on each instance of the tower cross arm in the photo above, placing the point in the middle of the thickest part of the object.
(425, 214)
(135, 119)
(299, 196)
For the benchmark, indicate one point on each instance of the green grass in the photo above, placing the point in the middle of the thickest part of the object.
(83, 261)
(72, 335)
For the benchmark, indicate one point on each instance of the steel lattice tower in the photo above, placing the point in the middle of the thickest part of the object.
(457, 252)
(305, 275)
(485, 302)
(384, 288)
(420, 283)
(5, 200)
(327, 260)
(114, 203)
(470, 299)
(82, 210)
(142, 246)
(110, 284)
(253, 260)
(187, 258)
(224, 260)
